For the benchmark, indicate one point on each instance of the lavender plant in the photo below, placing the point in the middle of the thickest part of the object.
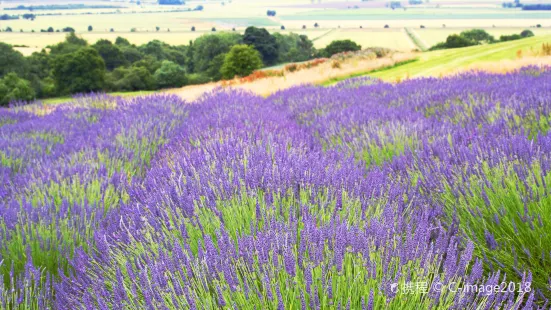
(364, 195)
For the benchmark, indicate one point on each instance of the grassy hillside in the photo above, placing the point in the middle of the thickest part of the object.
(447, 61)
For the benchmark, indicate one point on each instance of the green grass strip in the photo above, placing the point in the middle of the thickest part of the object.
(335, 80)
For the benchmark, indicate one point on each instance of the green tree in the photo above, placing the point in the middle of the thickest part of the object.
(149, 62)
(293, 47)
(170, 74)
(209, 46)
(121, 41)
(131, 54)
(130, 79)
(190, 65)
(526, 33)
(14, 88)
(478, 36)
(263, 42)
(71, 44)
(11, 60)
(111, 54)
(214, 70)
(340, 46)
(90, 28)
(79, 72)
(455, 41)
(242, 60)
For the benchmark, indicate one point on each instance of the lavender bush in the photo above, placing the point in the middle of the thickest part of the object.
(364, 195)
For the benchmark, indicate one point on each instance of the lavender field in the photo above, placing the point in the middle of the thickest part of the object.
(427, 194)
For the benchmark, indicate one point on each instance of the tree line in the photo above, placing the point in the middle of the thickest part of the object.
(477, 37)
(75, 66)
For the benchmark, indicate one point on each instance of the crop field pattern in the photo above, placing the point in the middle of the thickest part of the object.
(363, 195)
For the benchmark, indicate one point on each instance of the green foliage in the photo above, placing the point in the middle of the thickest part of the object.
(207, 47)
(126, 66)
(71, 44)
(131, 54)
(526, 33)
(111, 54)
(198, 78)
(454, 41)
(162, 51)
(170, 74)
(79, 72)
(340, 46)
(148, 62)
(511, 37)
(242, 60)
(14, 88)
(215, 66)
(11, 60)
(130, 79)
(294, 47)
(263, 42)
(122, 41)
(478, 36)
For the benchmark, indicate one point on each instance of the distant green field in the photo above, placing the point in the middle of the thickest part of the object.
(440, 62)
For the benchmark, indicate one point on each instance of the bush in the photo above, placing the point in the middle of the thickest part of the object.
(477, 36)
(13, 88)
(512, 37)
(130, 79)
(241, 60)
(336, 64)
(453, 41)
(340, 46)
(526, 33)
(170, 74)
(197, 78)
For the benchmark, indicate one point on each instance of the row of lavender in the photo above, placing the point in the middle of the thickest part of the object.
(362, 196)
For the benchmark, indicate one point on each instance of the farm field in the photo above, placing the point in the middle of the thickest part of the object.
(444, 62)
(261, 172)
(318, 187)
(396, 39)
(334, 16)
